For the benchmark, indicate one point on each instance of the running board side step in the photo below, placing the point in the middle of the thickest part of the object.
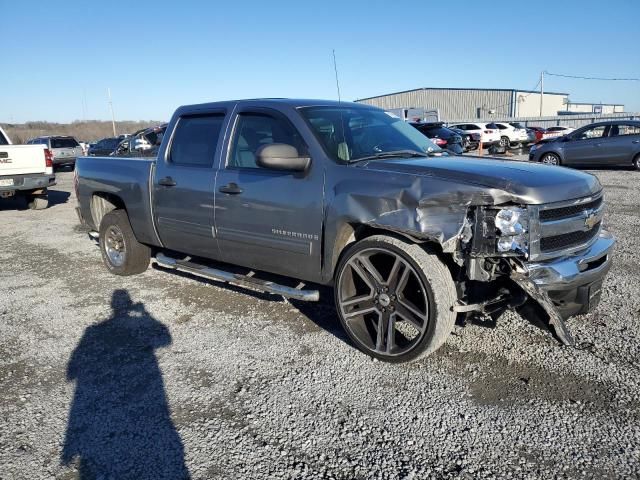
(237, 279)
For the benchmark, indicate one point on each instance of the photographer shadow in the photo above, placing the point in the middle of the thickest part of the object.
(119, 422)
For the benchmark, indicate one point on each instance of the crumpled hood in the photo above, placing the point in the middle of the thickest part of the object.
(532, 183)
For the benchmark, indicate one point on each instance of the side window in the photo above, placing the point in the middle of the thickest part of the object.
(595, 132)
(195, 140)
(624, 129)
(253, 130)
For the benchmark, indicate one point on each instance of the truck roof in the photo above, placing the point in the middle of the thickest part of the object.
(292, 102)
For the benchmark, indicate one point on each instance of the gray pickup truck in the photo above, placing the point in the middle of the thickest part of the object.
(262, 192)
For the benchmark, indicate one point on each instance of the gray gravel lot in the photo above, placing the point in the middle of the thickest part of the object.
(163, 376)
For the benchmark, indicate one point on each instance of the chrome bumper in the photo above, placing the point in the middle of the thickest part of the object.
(583, 267)
(571, 285)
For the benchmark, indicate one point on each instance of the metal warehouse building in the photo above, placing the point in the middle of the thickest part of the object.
(466, 103)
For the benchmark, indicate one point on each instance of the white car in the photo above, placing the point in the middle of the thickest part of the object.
(510, 135)
(26, 171)
(557, 131)
(489, 136)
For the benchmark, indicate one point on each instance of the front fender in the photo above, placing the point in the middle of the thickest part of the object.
(421, 208)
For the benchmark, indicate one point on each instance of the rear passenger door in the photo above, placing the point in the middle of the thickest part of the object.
(623, 143)
(268, 219)
(183, 185)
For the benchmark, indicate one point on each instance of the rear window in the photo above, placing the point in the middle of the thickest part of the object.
(436, 132)
(63, 143)
(195, 140)
(3, 139)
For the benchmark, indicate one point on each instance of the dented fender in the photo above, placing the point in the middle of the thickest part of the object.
(422, 208)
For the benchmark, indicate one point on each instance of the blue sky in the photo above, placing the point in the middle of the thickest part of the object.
(58, 58)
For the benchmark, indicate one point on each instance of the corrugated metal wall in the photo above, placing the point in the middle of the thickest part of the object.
(451, 103)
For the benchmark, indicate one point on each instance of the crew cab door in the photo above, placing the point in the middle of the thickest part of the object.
(183, 185)
(268, 219)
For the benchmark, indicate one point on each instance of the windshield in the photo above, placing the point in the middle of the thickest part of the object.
(351, 133)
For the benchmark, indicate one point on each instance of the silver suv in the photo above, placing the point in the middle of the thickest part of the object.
(65, 149)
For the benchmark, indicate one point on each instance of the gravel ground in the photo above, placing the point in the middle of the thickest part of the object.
(163, 376)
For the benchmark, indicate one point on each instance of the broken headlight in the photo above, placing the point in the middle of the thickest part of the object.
(512, 224)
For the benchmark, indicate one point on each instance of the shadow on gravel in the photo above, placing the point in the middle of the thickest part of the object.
(57, 197)
(119, 422)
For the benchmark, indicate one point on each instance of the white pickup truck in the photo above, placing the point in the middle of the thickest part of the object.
(27, 171)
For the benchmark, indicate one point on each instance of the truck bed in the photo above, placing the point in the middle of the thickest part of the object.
(127, 178)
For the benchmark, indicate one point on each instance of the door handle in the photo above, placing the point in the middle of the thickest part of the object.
(636, 141)
(231, 189)
(167, 182)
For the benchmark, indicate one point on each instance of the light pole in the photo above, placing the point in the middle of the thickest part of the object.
(113, 118)
(541, 92)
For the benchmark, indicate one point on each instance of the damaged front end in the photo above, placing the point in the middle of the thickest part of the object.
(546, 262)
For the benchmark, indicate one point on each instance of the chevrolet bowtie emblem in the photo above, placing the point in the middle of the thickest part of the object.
(591, 221)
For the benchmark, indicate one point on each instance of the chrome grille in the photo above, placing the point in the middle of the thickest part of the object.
(563, 212)
(562, 228)
(550, 244)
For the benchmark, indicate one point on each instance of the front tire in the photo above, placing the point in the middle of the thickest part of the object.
(394, 298)
(550, 159)
(636, 162)
(121, 252)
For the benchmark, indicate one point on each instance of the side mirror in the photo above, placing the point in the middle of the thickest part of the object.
(280, 156)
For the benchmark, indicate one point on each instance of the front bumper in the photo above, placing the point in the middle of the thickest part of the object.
(28, 182)
(574, 283)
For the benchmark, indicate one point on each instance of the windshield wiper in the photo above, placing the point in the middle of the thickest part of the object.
(392, 154)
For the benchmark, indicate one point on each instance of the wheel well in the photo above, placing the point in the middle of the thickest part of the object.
(354, 233)
(103, 203)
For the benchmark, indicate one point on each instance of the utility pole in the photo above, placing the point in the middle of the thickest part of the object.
(113, 118)
(541, 91)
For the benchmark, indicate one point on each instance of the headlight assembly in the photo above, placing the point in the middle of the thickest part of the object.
(501, 231)
(512, 224)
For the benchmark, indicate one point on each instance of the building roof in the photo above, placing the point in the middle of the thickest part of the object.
(474, 89)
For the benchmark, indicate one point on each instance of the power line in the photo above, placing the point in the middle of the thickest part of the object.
(594, 78)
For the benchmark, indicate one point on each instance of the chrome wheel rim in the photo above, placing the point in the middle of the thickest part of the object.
(550, 159)
(114, 246)
(504, 142)
(383, 302)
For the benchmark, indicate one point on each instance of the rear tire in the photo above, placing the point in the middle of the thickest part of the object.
(504, 142)
(121, 252)
(636, 162)
(386, 284)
